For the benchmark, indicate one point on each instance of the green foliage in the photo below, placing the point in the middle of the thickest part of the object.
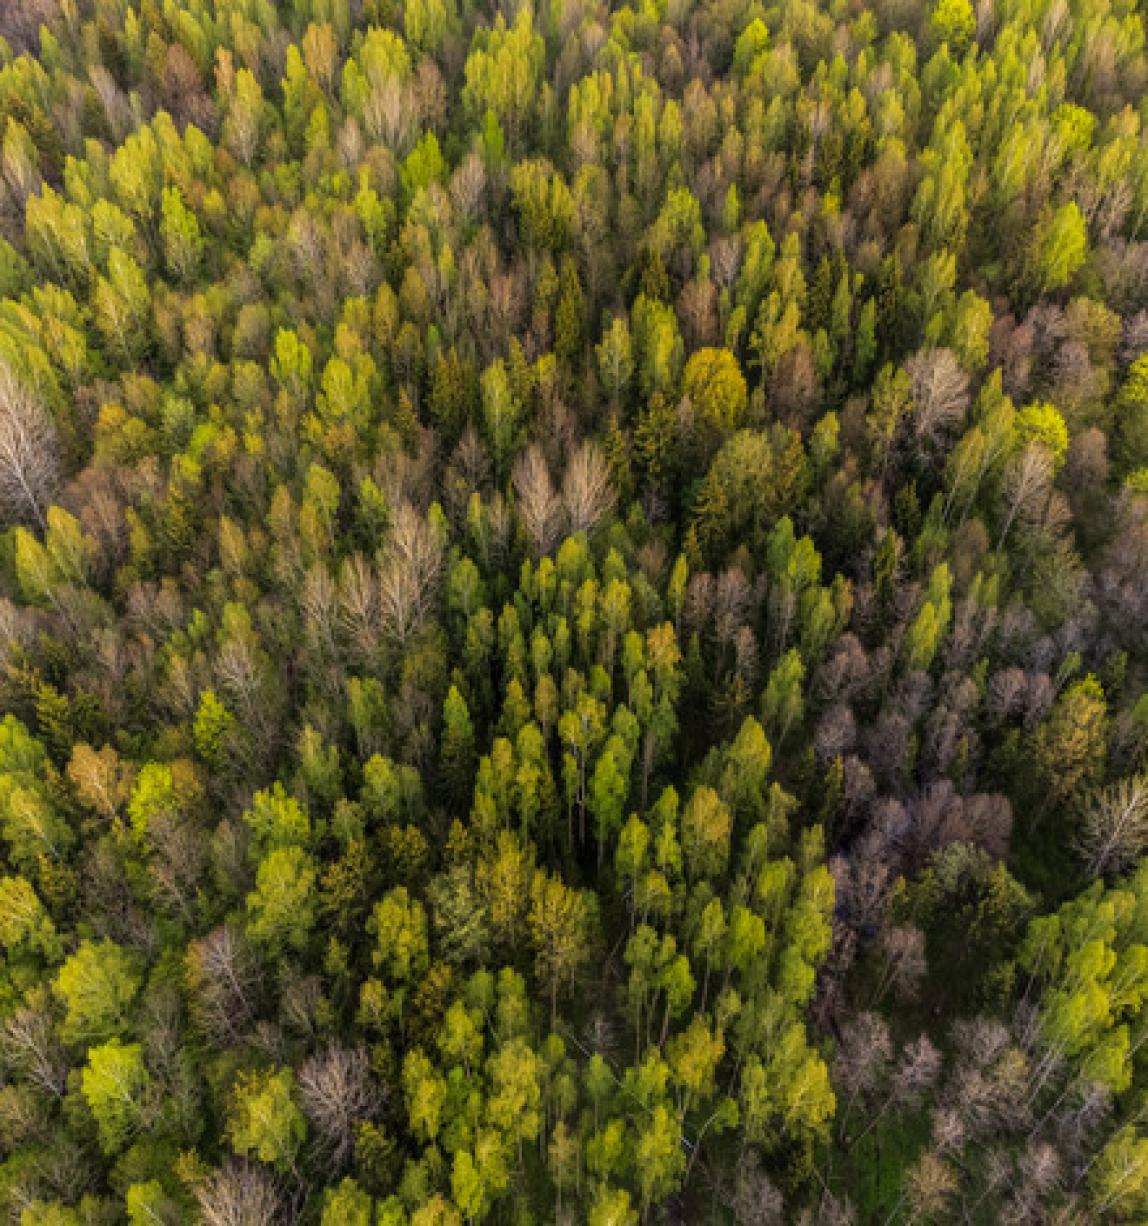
(1060, 246)
(543, 674)
(96, 986)
(115, 1084)
(716, 388)
(264, 1121)
(954, 21)
(281, 908)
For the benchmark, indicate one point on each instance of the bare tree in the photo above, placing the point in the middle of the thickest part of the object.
(862, 1059)
(903, 963)
(224, 985)
(239, 1194)
(28, 1046)
(836, 733)
(1135, 341)
(1041, 1174)
(917, 1072)
(317, 602)
(338, 1091)
(408, 578)
(29, 451)
(755, 1201)
(929, 1186)
(468, 185)
(176, 869)
(359, 606)
(586, 490)
(940, 391)
(1114, 826)
(539, 507)
(1027, 481)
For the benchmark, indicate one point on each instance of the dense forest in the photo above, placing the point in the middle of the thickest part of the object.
(573, 612)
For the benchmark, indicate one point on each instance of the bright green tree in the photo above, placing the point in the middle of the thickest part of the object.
(264, 1120)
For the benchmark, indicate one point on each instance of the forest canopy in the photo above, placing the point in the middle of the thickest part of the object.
(573, 612)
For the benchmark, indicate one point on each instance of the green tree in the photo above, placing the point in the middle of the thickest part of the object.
(954, 22)
(615, 358)
(706, 828)
(399, 924)
(1059, 247)
(1118, 1183)
(560, 921)
(264, 1121)
(25, 925)
(30, 821)
(97, 986)
(115, 1084)
(1132, 417)
(1070, 746)
(716, 388)
(456, 746)
(611, 1207)
(276, 821)
(212, 728)
(281, 908)
(347, 1205)
(501, 411)
(661, 1164)
(182, 240)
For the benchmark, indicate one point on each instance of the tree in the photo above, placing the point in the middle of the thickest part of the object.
(457, 746)
(660, 1161)
(609, 786)
(347, 1205)
(716, 388)
(25, 926)
(427, 22)
(281, 908)
(212, 728)
(1070, 746)
(1043, 423)
(223, 983)
(409, 576)
(500, 413)
(940, 393)
(122, 307)
(180, 235)
(400, 927)
(425, 1092)
(97, 986)
(706, 828)
(1118, 1183)
(615, 358)
(569, 316)
(538, 504)
(954, 22)
(264, 1121)
(29, 451)
(588, 495)
(611, 1207)
(1059, 247)
(503, 71)
(560, 927)
(338, 1092)
(238, 1194)
(115, 1084)
(783, 700)
(1114, 826)
(515, 1092)
(1132, 418)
